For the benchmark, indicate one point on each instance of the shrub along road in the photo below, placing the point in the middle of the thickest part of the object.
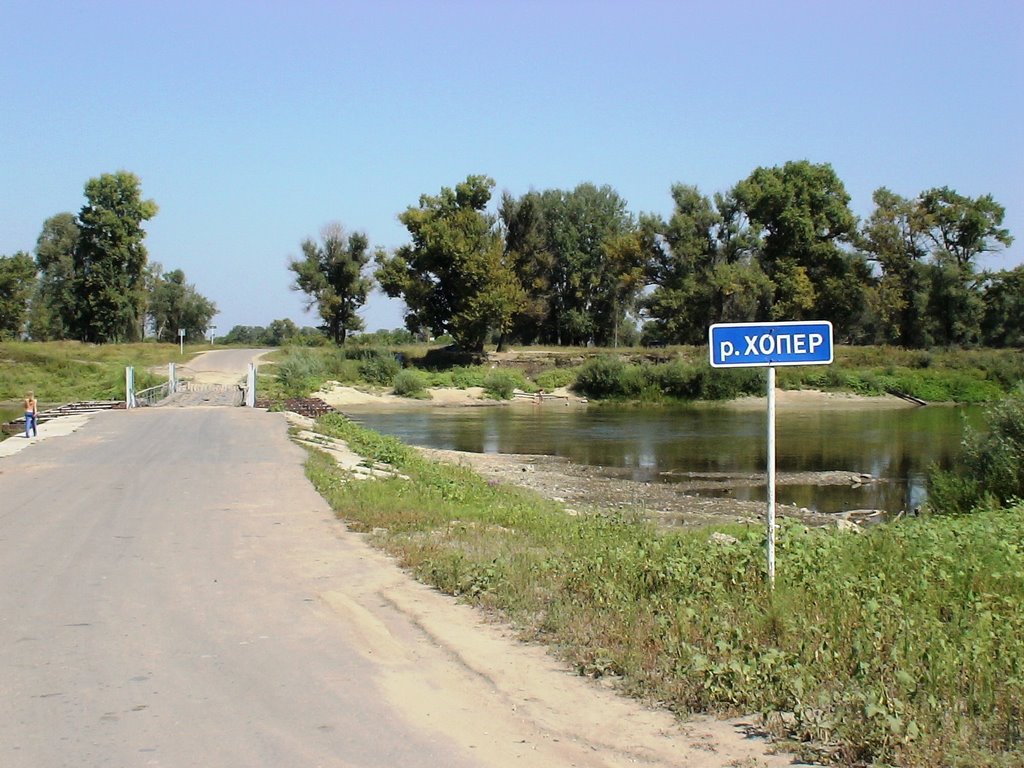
(177, 594)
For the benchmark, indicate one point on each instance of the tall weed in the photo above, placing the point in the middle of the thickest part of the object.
(990, 471)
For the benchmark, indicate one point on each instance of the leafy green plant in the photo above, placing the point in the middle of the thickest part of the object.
(410, 383)
(300, 373)
(991, 465)
(601, 377)
(380, 369)
(500, 384)
(554, 378)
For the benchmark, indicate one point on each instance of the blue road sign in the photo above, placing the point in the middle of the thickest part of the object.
(760, 345)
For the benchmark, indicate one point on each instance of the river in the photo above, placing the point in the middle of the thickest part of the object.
(896, 445)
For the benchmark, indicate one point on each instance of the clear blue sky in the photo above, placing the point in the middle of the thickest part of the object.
(253, 124)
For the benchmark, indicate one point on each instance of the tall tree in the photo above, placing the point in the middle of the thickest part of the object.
(175, 304)
(701, 269)
(559, 243)
(17, 282)
(528, 254)
(892, 238)
(958, 229)
(1003, 321)
(454, 276)
(802, 210)
(331, 275)
(681, 254)
(54, 307)
(110, 260)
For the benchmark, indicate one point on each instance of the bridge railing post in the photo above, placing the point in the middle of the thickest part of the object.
(250, 387)
(129, 387)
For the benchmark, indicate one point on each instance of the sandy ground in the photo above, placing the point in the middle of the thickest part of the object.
(804, 399)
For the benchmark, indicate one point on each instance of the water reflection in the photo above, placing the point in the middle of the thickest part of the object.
(897, 445)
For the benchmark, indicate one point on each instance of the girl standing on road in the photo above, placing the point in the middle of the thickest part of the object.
(30, 414)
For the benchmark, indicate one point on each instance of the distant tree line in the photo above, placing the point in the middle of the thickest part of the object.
(574, 267)
(276, 334)
(90, 279)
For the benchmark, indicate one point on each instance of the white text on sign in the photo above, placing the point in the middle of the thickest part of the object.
(769, 344)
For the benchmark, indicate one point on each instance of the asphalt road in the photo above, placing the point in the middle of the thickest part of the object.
(163, 576)
(176, 594)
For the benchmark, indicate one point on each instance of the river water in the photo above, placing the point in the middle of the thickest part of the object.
(896, 445)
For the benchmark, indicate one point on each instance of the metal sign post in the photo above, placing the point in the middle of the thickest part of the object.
(767, 345)
(181, 341)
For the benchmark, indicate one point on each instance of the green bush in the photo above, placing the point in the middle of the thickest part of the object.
(410, 383)
(639, 382)
(680, 380)
(501, 383)
(991, 466)
(601, 377)
(299, 373)
(555, 378)
(380, 369)
(464, 377)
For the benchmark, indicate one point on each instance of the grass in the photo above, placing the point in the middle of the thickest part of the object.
(66, 371)
(902, 646)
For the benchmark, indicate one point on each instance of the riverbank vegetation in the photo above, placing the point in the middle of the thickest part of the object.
(902, 645)
(642, 375)
(66, 371)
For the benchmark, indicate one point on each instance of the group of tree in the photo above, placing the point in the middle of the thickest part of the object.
(276, 334)
(91, 279)
(574, 267)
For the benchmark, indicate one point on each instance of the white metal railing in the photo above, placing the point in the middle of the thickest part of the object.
(241, 394)
(153, 394)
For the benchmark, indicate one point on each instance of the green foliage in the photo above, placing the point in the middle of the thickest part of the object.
(962, 376)
(67, 371)
(601, 377)
(555, 378)
(902, 646)
(383, 338)
(453, 276)
(990, 471)
(331, 276)
(580, 260)
(500, 383)
(379, 369)
(410, 383)
(110, 260)
(612, 378)
(1003, 320)
(53, 305)
(300, 373)
(175, 304)
(17, 282)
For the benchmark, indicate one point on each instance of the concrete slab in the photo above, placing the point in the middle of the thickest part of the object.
(64, 425)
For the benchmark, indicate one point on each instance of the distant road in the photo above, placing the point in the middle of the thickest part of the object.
(222, 366)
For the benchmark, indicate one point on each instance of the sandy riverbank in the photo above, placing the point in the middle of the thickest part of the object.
(811, 399)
